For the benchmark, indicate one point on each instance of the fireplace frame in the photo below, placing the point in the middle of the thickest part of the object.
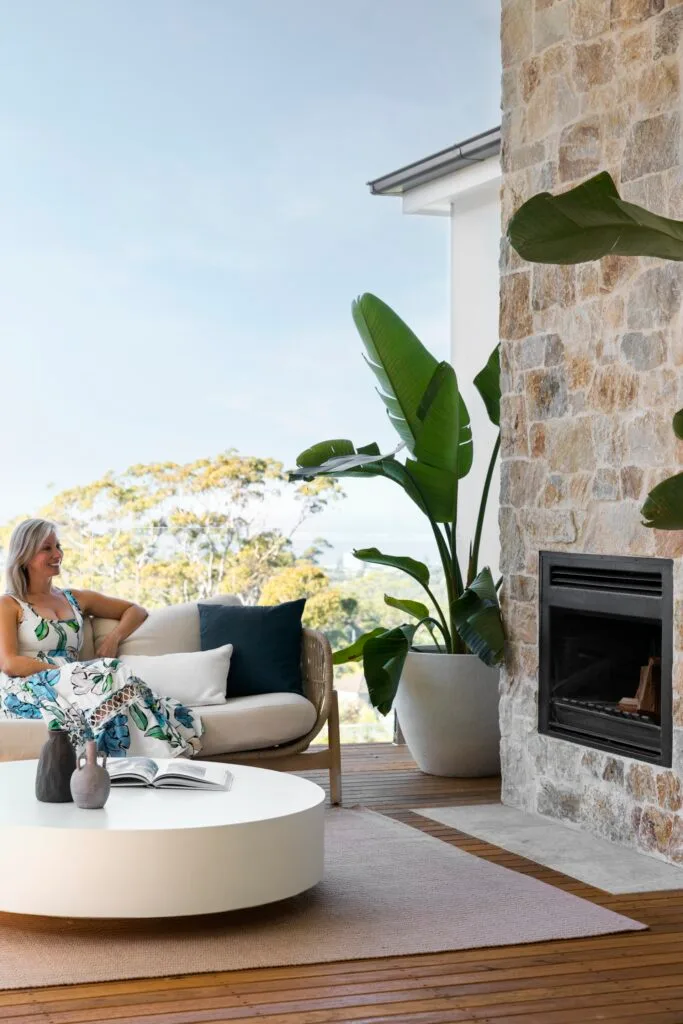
(635, 605)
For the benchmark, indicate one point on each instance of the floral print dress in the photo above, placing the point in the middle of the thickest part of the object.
(99, 699)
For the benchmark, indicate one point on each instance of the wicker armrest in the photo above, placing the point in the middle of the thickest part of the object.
(317, 673)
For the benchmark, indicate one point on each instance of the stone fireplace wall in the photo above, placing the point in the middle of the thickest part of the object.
(592, 361)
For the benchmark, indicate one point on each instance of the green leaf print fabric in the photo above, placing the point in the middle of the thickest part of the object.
(100, 699)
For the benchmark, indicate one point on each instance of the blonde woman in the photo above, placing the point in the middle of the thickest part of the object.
(41, 634)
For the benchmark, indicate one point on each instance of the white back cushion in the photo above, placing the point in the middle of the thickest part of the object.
(195, 677)
(170, 630)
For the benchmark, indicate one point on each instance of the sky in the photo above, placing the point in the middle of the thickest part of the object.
(185, 221)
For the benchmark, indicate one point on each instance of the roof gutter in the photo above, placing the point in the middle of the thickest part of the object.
(463, 154)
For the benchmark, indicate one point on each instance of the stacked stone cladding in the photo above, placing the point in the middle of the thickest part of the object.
(592, 372)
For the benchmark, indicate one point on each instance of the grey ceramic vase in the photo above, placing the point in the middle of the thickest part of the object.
(55, 766)
(90, 782)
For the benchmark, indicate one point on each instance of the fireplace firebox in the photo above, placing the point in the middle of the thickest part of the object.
(605, 650)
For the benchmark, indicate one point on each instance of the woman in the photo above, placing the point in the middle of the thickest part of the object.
(42, 626)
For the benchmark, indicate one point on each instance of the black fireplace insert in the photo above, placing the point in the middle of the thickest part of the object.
(605, 652)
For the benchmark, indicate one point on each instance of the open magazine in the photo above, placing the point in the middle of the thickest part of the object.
(178, 774)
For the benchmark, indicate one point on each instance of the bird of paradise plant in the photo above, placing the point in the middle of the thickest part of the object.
(427, 411)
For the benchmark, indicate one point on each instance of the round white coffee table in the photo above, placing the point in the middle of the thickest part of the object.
(159, 853)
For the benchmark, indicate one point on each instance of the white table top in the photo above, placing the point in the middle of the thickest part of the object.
(257, 794)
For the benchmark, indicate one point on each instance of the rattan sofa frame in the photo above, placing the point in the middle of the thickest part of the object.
(318, 685)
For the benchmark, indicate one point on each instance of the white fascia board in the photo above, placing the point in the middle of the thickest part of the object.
(437, 197)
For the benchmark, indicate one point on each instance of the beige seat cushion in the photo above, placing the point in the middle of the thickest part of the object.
(255, 723)
(170, 630)
(21, 738)
(243, 723)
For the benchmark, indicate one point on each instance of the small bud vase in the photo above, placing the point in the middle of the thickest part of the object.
(90, 782)
(55, 766)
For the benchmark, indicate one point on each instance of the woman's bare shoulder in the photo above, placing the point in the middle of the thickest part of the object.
(9, 606)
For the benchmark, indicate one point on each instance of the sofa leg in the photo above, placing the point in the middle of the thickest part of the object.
(335, 752)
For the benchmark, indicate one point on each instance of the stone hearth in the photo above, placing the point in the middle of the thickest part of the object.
(591, 376)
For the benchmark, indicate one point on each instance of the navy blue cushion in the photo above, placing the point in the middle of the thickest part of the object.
(266, 641)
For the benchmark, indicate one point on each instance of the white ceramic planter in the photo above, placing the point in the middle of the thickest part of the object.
(447, 706)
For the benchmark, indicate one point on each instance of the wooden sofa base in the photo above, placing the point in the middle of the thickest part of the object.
(302, 761)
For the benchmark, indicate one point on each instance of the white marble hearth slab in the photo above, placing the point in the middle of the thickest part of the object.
(564, 848)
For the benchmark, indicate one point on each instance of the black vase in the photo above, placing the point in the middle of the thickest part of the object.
(56, 765)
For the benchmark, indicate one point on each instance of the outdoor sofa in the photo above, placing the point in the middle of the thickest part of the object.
(272, 730)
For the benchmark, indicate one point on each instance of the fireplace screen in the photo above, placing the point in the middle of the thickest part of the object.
(606, 652)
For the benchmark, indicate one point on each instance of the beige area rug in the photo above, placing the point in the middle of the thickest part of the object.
(389, 890)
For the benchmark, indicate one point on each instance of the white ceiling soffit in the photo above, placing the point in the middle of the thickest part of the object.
(459, 188)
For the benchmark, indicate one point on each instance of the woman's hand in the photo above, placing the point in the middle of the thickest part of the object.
(129, 617)
(108, 647)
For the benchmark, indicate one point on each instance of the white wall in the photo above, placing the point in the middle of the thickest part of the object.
(475, 243)
(471, 198)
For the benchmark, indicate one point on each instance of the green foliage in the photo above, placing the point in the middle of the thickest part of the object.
(586, 223)
(326, 608)
(414, 608)
(418, 570)
(487, 383)
(476, 615)
(170, 532)
(590, 221)
(426, 409)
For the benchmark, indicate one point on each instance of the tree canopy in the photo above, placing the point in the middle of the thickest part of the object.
(167, 532)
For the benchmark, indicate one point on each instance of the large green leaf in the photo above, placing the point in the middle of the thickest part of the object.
(436, 411)
(476, 616)
(383, 660)
(678, 424)
(432, 490)
(355, 650)
(418, 570)
(487, 383)
(663, 507)
(588, 222)
(339, 458)
(436, 487)
(414, 608)
(420, 394)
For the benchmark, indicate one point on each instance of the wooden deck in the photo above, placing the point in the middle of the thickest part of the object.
(635, 978)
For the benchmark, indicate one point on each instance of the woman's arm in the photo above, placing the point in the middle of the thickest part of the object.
(129, 616)
(10, 662)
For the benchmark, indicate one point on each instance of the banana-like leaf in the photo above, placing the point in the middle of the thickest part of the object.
(326, 458)
(354, 652)
(487, 383)
(339, 456)
(383, 660)
(418, 570)
(415, 608)
(663, 507)
(421, 395)
(477, 618)
(590, 221)
(678, 424)
(436, 487)
(432, 490)
(436, 412)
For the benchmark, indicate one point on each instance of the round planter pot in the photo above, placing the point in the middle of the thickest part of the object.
(447, 706)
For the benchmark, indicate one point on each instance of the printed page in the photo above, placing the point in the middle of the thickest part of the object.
(121, 769)
(193, 775)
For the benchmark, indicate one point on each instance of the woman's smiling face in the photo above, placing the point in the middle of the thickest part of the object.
(47, 561)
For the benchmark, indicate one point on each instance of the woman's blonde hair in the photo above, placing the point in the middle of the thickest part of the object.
(24, 544)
